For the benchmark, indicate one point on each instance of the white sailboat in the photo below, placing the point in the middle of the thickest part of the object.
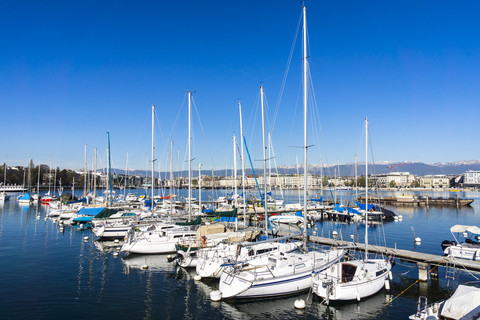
(3, 195)
(355, 279)
(279, 274)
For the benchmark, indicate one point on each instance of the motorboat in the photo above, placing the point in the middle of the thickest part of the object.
(469, 248)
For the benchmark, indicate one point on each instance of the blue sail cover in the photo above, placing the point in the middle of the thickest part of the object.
(298, 214)
(351, 210)
(319, 200)
(338, 208)
(90, 211)
(83, 219)
(362, 206)
(26, 196)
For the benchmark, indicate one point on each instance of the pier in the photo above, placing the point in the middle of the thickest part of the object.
(425, 262)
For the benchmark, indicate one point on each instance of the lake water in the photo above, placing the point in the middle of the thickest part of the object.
(50, 274)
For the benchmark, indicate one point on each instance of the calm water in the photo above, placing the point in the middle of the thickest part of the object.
(48, 274)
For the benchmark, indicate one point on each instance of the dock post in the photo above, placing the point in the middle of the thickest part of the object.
(427, 201)
(422, 271)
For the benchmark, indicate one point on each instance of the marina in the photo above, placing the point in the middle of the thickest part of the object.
(75, 269)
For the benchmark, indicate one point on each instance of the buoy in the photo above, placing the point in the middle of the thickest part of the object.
(418, 240)
(352, 237)
(46, 218)
(197, 277)
(395, 218)
(38, 217)
(400, 217)
(299, 304)
(387, 284)
(118, 248)
(144, 267)
(61, 229)
(81, 226)
(85, 238)
(216, 295)
(115, 254)
(116, 241)
(358, 296)
(334, 234)
(390, 275)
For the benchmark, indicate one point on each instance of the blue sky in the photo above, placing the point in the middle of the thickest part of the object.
(72, 70)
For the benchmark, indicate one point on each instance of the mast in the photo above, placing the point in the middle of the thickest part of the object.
(109, 171)
(305, 99)
(38, 181)
(366, 189)
(189, 154)
(85, 173)
(243, 164)
(94, 179)
(55, 179)
(49, 176)
(171, 176)
(356, 179)
(200, 186)
(5, 172)
(126, 175)
(264, 163)
(235, 178)
(153, 153)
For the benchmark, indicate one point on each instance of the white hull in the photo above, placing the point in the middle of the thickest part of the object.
(289, 274)
(463, 251)
(369, 278)
(157, 243)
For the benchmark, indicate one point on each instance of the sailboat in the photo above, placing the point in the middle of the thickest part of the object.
(3, 195)
(279, 274)
(26, 198)
(354, 279)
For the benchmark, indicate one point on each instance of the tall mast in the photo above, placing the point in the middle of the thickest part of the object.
(189, 154)
(153, 153)
(85, 172)
(126, 175)
(243, 164)
(49, 176)
(38, 181)
(5, 172)
(366, 188)
(264, 163)
(235, 178)
(200, 186)
(109, 171)
(305, 100)
(171, 176)
(55, 179)
(94, 179)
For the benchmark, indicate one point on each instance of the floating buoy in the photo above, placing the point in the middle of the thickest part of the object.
(334, 234)
(418, 240)
(38, 217)
(169, 257)
(115, 241)
(216, 295)
(358, 296)
(387, 284)
(390, 275)
(46, 218)
(115, 254)
(400, 217)
(299, 304)
(395, 218)
(118, 248)
(61, 229)
(197, 277)
(81, 226)
(85, 238)
(144, 267)
(352, 237)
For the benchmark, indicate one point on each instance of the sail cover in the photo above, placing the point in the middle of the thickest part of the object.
(464, 300)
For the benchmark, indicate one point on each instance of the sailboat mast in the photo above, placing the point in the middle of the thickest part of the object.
(243, 164)
(49, 176)
(366, 188)
(126, 175)
(264, 162)
(94, 179)
(171, 176)
(200, 186)
(305, 99)
(85, 173)
(109, 172)
(235, 177)
(153, 153)
(356, 179)
(189, 154)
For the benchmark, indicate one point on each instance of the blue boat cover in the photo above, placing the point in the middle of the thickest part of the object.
(25, 196)
(90, 211)
(362, 206)
(351, 210)
(338, 208)
(298, 214)
(319, 200)
(83, 219)
(227, 219)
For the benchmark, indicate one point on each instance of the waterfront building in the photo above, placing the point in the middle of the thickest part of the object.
(434, 181)
(400, 179)
(471, 178)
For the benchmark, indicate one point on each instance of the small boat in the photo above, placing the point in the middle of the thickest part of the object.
(4, 196)
(25, 198)
(463, 304)
(296, 218)
(468, 249)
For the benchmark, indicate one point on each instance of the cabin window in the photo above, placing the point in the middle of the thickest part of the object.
(348, 272)
(300, 266)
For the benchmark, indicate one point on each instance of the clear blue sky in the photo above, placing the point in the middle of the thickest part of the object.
(72, 70)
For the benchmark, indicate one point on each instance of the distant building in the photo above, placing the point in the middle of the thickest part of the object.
(435, 181)
(401, 179)
(471, 178)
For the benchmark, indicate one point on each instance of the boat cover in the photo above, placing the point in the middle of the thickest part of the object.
(83, 219)
(464, 300)
(26, 196)
(90, 211)
(462, 228)
(362, 206)
(190, 223)
(105, 213)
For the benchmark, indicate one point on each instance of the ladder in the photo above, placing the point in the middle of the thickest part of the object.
(450, 270)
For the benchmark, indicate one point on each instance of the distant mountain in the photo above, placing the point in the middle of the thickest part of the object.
(344, 169)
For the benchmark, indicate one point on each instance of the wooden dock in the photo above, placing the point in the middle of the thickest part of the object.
(426, 262)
